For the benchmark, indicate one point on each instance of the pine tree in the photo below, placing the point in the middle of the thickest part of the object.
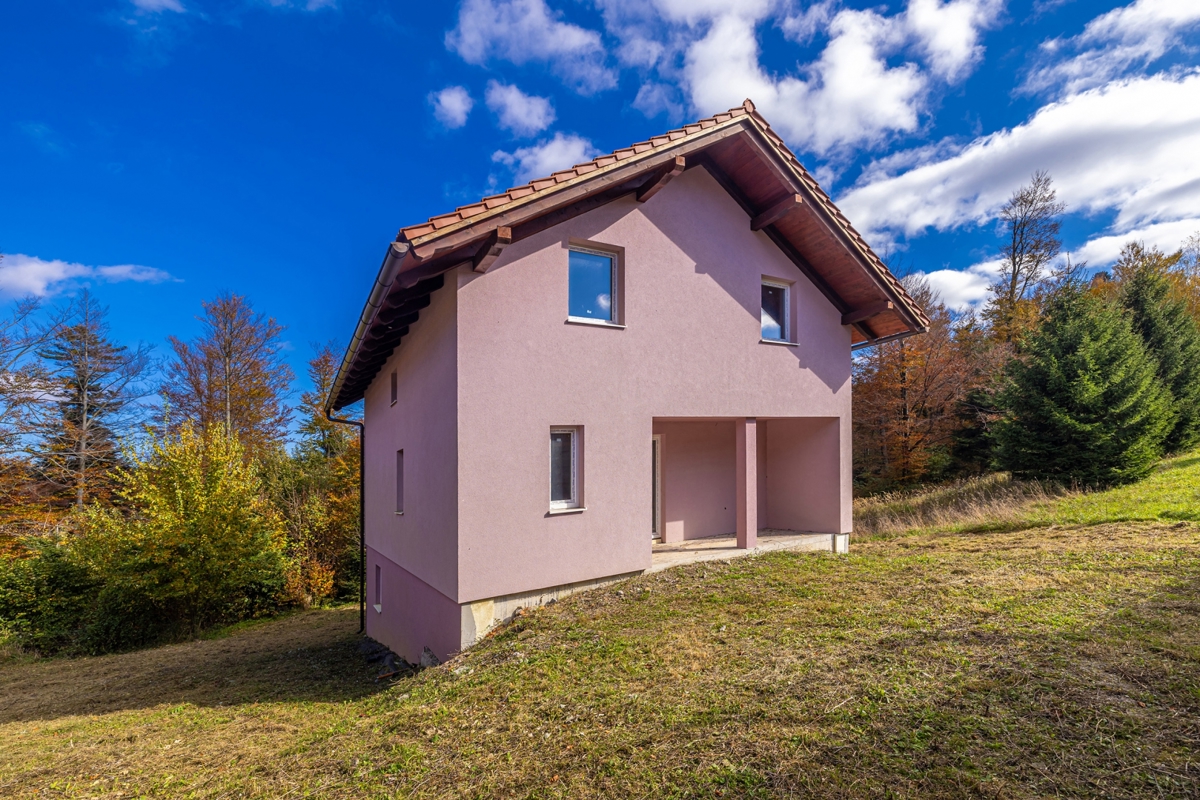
(1161, 317)
(1084, 403)
(232, 376)
(90, 399)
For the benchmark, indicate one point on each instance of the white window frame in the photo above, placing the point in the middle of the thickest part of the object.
(573, 501)
(785, 332)
(613, 280)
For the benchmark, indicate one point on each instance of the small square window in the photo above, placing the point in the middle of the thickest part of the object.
(399, 481)
(564, 468)
(592, 278)
(393, 388)
(775, 316)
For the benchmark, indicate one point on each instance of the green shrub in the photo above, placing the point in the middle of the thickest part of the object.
(1084, 404)
(198, 545)
(46, 596)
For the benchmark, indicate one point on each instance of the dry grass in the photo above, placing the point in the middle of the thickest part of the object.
(995, 501)
(1064, 662)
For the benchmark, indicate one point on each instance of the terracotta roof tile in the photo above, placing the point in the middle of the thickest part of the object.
(437, 223)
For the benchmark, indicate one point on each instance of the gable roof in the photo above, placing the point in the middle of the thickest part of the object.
(741, 152)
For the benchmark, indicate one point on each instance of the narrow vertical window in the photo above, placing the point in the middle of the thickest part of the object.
(564, 468)
(399, 481)
(593, 285)
(393, 388)
(775, 312)
(378, 589)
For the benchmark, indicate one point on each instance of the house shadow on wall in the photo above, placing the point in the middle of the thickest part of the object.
(689, 233)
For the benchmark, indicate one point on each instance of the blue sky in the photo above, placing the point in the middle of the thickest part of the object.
(161, 151)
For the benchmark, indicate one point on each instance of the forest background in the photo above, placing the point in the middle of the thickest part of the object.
(145, 498)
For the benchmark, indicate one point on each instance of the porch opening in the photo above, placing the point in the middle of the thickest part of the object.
(791, 482)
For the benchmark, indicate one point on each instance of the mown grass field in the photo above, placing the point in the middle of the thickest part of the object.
(1057, 654)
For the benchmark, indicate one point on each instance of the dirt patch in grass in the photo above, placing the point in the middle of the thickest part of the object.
(1063, 661)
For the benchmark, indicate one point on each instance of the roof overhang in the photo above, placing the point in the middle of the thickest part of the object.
(742, 154)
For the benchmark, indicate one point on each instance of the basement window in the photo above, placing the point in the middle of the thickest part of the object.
(775, 315)
(564, 468)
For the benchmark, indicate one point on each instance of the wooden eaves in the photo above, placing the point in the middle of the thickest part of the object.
(737, 148)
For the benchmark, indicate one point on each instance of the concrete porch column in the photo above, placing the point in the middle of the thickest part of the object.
(746, 430)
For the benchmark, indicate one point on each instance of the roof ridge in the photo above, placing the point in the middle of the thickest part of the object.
(746, 109)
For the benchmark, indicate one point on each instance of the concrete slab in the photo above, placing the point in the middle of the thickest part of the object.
(723, 548)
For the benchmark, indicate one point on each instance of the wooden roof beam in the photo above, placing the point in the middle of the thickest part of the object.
(492, 247)
(866, 312)
(661, 179)
(776, 212)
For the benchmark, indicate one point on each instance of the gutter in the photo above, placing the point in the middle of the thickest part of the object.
(885, 339)
(362, 517)
(397, 254)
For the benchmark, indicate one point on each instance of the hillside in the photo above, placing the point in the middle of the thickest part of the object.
(1057, 653)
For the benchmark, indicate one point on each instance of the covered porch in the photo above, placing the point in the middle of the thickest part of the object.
(720, 484)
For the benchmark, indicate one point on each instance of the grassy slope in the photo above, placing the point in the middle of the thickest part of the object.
(1060, 661)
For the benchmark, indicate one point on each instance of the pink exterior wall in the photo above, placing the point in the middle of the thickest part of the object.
(698, 486)
(422, 543)
(802, 492)
(412, 615)
(690, 348)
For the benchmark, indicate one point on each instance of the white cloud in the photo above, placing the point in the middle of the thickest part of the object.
(22, 275)
(963, 289)
(547, 157)
(523, 114)
(159, 5)
(949, 32)
(1167, 236)
(1128, 147)
(1131, 36)
(658, 98)
(871, 81)
(451, 106)
(851, 98)
(524, 31)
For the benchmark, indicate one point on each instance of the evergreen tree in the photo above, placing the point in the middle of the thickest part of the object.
(89, 399)
(1160, 315)
(1084, 403)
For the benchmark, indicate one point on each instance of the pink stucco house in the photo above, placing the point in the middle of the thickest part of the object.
(651, 347)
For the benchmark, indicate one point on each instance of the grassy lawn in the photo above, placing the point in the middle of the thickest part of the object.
(1062, 660)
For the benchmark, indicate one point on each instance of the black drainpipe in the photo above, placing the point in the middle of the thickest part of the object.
(362, 518)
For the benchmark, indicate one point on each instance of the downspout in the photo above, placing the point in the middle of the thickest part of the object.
(362, 517)
(397, 254)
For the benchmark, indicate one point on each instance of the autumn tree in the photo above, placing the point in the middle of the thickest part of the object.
(317, 492)
(90, 397)
(1031, 225)
(233, 376)
(906, 394)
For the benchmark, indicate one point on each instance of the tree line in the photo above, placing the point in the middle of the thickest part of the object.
(1083, 381)
(143, 500)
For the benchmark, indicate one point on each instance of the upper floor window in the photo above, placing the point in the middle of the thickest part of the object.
(775, 315)
(593, 285)
(393, 388)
